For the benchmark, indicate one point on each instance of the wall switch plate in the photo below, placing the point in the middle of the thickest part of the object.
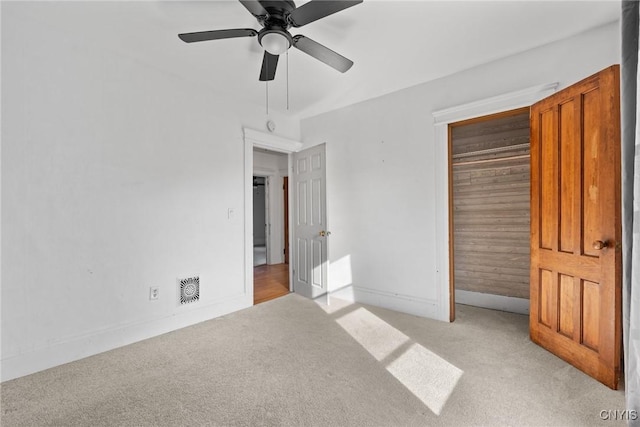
(154, 292)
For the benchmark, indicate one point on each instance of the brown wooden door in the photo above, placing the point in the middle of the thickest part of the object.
(575, 225)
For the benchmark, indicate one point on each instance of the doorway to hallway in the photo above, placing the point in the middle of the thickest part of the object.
(270, 207)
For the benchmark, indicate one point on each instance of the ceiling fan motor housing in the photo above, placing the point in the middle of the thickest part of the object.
(278, 13)
(276, 22)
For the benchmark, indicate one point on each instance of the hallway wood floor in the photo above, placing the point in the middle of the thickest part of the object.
(269, 282)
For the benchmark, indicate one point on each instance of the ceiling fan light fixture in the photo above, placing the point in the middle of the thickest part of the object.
(276, 43)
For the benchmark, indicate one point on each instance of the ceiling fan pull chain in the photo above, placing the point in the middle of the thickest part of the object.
(287, 80)
(267, 98)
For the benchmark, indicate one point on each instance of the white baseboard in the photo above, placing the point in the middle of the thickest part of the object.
(398, 302)
(101, 341)
(494, 302)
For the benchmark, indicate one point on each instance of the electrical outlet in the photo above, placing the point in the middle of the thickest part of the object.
(154, 292)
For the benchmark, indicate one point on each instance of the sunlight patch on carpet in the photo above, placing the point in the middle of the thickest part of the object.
(374, 334)
(428, 376)
(425, 374)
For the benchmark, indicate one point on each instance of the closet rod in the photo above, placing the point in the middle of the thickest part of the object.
(492, 150)
(499, 159)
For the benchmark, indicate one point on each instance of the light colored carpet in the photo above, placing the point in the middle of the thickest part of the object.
(292, 362)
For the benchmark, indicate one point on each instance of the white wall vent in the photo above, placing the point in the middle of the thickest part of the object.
(189, 289)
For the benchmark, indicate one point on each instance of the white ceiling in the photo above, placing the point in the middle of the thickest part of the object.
(394, 44)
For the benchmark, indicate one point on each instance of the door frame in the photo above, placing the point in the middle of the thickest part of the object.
(442, 119)
(499, 302)
(256, 139)
(287, 233)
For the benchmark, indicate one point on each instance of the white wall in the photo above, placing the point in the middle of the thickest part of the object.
(273, 165)
(115, 177)
(381, 170)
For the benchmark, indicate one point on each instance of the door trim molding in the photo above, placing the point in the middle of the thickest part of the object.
(256, 139)
(442, 119)
(271, 142)
(495, 104)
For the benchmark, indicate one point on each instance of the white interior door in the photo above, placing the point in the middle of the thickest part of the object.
(309, 252)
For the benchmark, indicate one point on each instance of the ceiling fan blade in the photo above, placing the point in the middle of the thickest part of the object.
(254, 7)
(217, 34)
(269, 64)
(317, 9)
(322, 53)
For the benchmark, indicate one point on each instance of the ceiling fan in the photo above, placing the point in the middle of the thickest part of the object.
(276, 17)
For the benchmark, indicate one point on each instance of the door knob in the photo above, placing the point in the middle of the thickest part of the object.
(599, 245)
(324, 233)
